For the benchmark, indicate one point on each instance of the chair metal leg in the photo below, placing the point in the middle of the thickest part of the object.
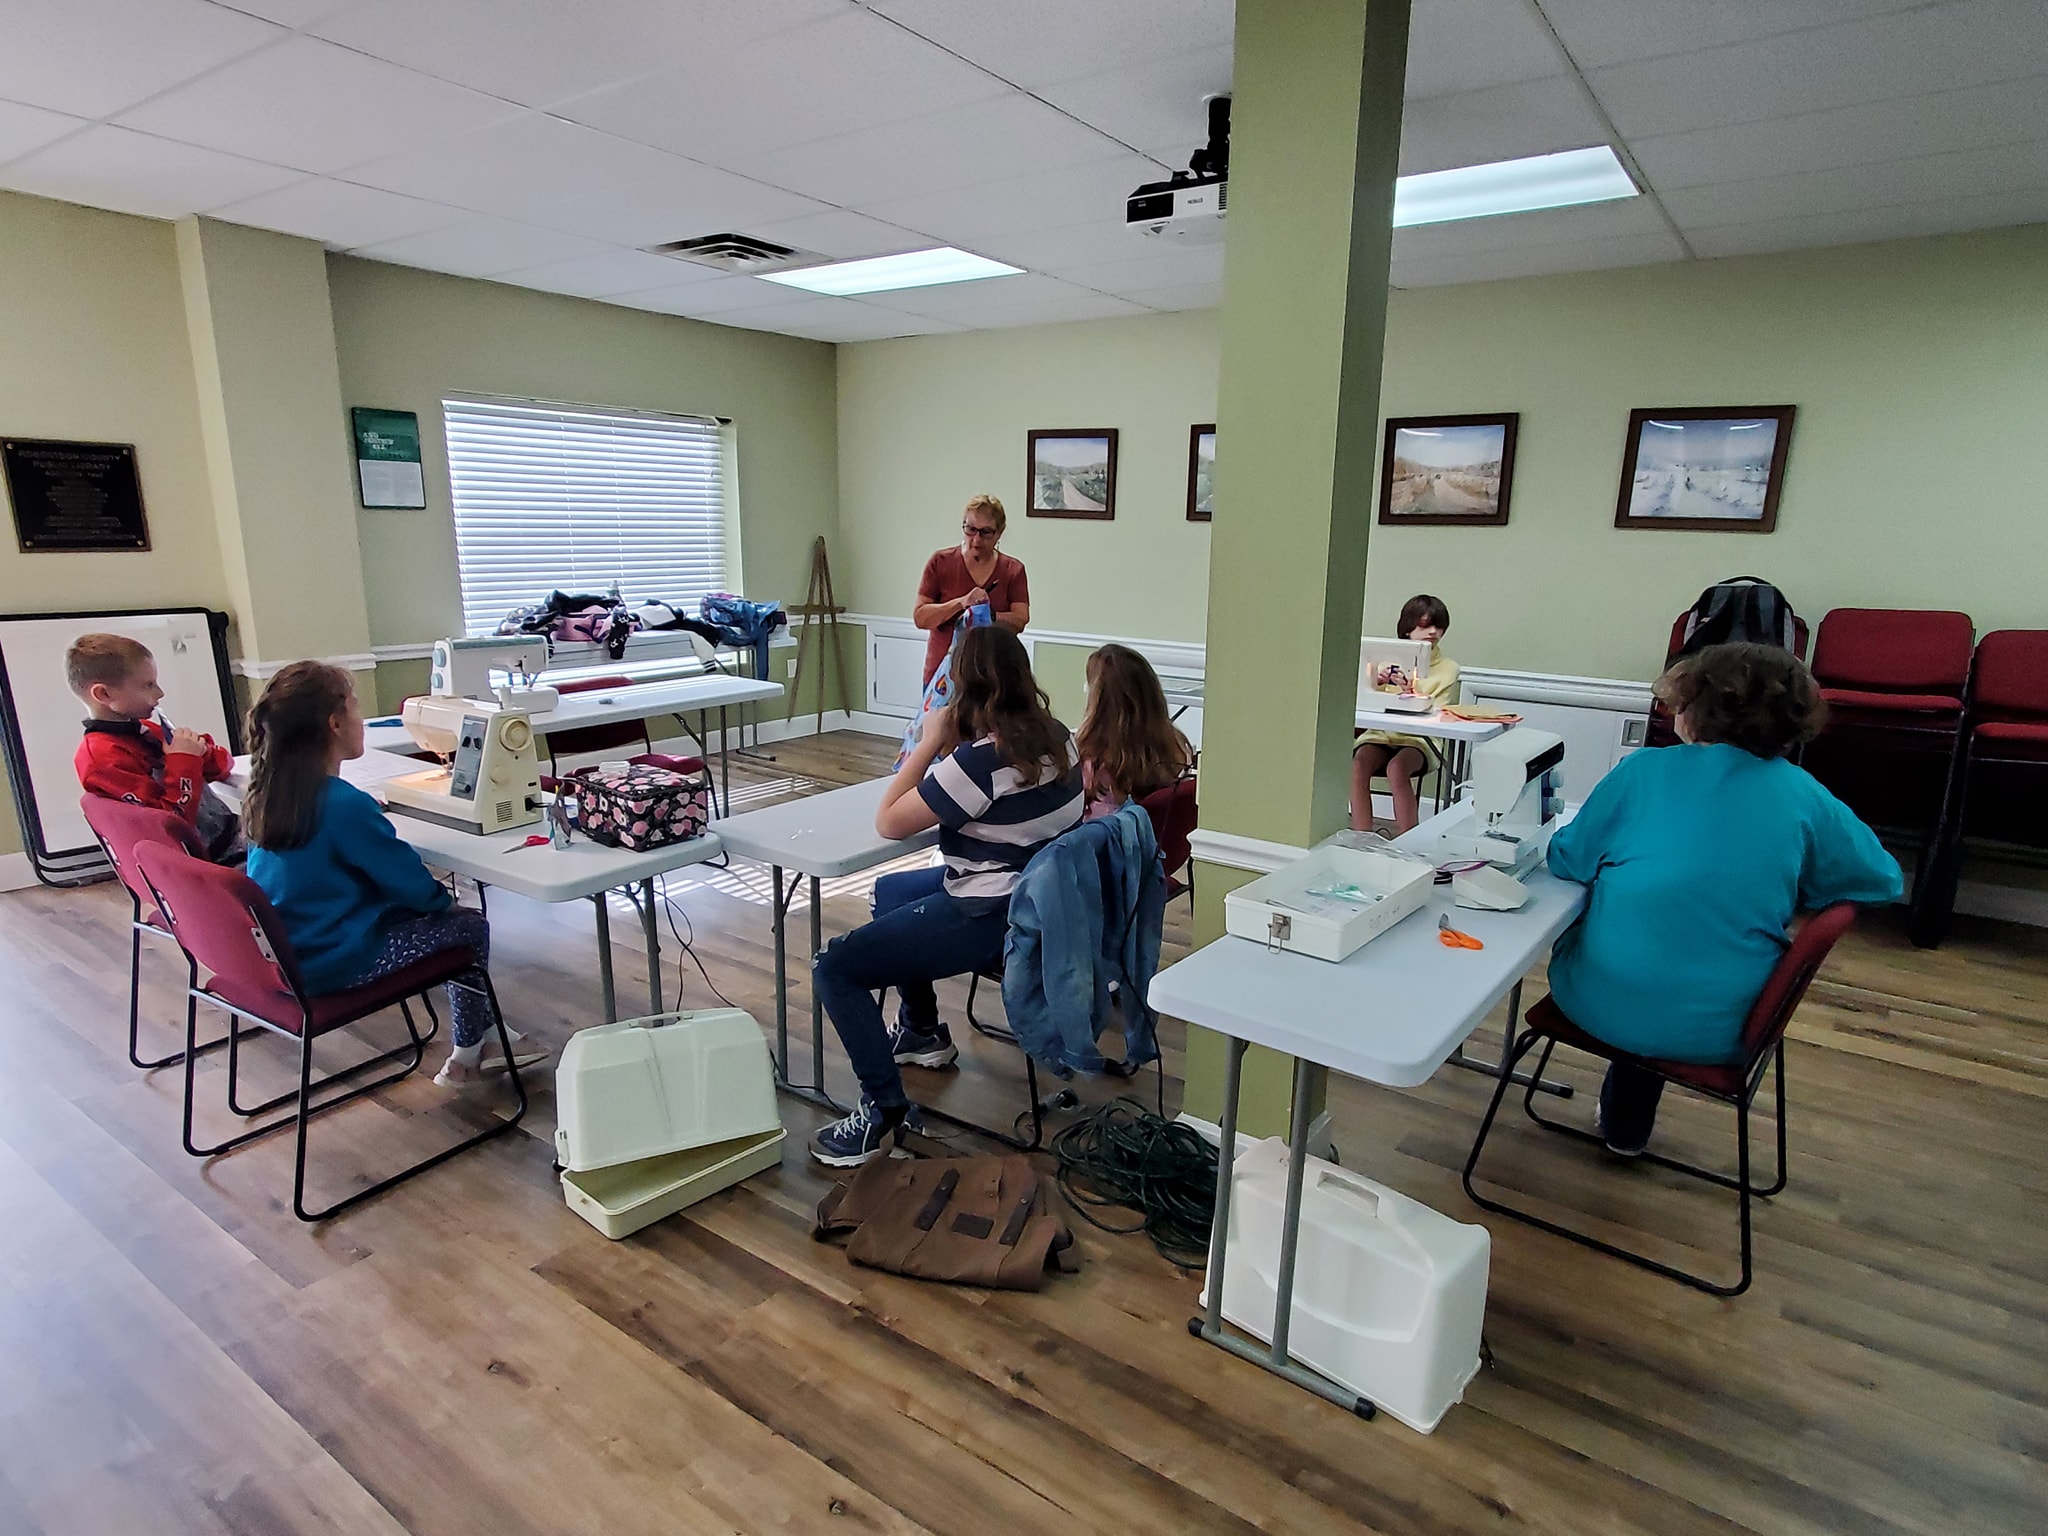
(136, 928)
(415, 1041)
(993, 1031)
(490, 992)
(1740, 1183)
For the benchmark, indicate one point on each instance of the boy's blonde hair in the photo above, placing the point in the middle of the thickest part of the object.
(109, 659)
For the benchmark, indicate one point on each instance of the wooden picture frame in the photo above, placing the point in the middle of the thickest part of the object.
(1681, 472)
(1201, 497)
(1063, 470)
(1448, 494)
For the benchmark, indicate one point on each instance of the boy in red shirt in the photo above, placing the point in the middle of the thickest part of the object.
(129, 754)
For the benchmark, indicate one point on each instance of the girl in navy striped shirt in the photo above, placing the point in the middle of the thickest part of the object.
(1000, 778)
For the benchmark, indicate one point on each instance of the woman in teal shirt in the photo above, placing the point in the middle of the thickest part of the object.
(1696, 859)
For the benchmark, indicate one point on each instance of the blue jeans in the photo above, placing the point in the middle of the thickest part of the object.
(919, 935)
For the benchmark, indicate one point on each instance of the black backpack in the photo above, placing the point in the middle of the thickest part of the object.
(1742, 609)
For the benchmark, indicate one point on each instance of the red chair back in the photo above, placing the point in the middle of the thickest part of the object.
(122, 826)
(1173, 812)
(2010, 682)
(595, 738)
(1894, 650)
(1771, 1014)
(224, 922)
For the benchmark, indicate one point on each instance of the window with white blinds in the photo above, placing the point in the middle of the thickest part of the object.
(568, 497)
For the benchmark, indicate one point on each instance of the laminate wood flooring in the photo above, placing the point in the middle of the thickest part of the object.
(178, 1354)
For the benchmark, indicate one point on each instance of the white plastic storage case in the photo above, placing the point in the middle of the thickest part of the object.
(647, 1087)
(1389, 1295)
(619, 1201)
(1276, 910)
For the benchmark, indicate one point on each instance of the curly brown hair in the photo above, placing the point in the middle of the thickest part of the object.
(1760, 698)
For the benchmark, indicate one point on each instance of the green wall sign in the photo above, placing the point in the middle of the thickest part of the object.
(388, 470)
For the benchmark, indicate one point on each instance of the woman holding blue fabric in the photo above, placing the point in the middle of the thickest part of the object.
(1696, 858)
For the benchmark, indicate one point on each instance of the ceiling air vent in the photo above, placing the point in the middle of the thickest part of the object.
(736, 253)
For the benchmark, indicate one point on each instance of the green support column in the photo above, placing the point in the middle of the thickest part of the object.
(1315, 144)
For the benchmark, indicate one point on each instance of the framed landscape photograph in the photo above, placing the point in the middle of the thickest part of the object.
(1448, 470)
(1201, 472)
(1073, 472)
(1705, 467)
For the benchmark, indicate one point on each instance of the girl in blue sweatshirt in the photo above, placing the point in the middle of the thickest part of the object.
(357, 903)
(1696, 859)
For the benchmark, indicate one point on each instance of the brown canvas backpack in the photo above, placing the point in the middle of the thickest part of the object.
(968, 1221)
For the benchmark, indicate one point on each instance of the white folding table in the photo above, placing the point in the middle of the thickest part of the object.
(676, 696)
(823, 837)
(543, 873)
(1391, 1013)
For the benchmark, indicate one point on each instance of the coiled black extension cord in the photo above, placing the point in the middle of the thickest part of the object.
(1123, 1155)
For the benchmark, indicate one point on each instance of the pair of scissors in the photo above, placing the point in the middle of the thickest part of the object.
(538, 840)
(1451, 938)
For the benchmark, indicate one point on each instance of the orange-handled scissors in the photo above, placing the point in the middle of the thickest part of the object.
(1451, 938)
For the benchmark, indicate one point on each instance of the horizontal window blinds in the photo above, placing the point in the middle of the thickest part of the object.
(583, 500)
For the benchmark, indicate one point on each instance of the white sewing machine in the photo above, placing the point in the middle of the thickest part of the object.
(493, 783)
(1517, 793)
(462, 668)
(1411, 656)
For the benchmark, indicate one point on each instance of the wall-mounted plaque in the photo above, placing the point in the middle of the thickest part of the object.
(388, 458)
(74, 496)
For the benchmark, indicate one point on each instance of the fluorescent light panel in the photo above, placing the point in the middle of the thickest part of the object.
(880, 274)
(1512, 186)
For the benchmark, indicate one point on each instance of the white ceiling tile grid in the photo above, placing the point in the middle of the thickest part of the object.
(544, 143)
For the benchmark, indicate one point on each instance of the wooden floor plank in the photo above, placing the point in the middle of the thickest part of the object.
(177, 1354)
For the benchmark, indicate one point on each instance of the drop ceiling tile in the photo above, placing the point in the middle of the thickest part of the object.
(1161, 265)
(971, 214)
(705, 296)
(543, 51)
(683, 201)
(1622, 219)
(842, 235)
(1469, 45)
(482, 248)
(605, 274)
(796, 314)
(1503, 122)
(517, 169)
(877, 325)
(839, 76)
(1976, 117)
(130, 172)
(23, 128)
(1536, 261)
(1924, 179)
(339, 214)
(1932, 48)
(289, 13)
(1600, 32)
(1011, 135)
(1031, 45)
(1086, 306)
(1106, 238)
(91, 58)
(1903, 221)
(309, 104)
(1184, 296)
(1156, 102)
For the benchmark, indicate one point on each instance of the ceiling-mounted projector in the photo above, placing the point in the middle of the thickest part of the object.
(1189, 206)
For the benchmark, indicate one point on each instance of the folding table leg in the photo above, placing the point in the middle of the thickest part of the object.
(653, 930)
(1458, 1058)
(604, 956)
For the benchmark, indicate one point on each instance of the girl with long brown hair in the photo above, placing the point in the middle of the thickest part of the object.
(1000, 778)
(1129, 746)
(357, 903)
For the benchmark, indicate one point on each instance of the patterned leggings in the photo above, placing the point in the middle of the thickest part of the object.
(418, 937)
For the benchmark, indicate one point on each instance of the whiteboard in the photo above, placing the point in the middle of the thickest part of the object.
(42, 716)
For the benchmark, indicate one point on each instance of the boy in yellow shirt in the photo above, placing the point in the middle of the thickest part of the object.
(1403, 759)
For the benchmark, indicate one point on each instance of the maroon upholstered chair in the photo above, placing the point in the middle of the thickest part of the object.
(1174, 813)
(1896, 681)
(227, 927)
(1734, 1083)
(2002, 789)
(121, 827)
(595, 738)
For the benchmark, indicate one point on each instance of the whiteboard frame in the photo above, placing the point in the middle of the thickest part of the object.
(86, 864)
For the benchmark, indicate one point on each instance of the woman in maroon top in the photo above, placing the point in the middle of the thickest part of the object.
(975, 572)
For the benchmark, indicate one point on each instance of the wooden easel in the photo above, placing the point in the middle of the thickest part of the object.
(819, 607)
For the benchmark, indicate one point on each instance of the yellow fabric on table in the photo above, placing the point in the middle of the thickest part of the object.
(1441, 687)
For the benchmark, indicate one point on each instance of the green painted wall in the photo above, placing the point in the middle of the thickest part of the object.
(925, 422)
(1920, 368)
(1062, 672)
(408, 338)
